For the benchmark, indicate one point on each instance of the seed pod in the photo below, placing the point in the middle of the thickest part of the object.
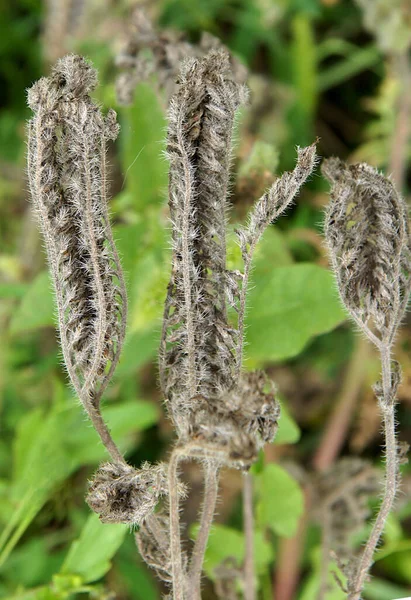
(367, 234)
(68, 179)
(196, 356)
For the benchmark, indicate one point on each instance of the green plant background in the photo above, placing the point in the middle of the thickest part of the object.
(314, 70)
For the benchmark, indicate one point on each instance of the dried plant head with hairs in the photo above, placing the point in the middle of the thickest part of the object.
(67, 171)
(367, 234)
(149, 52)
(197, 348)
(214, 407)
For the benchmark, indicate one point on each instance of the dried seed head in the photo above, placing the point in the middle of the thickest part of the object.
(341, 500)
(166, 51)
(121, 494)
(196, 357)
(231, 429)
(368, 239)
(67, 172)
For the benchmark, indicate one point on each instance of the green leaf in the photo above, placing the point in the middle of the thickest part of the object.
(139, 348)
(288, 430)
(226, 542)
(142, 127)
(90, 556)
(36, 308)
(378, 589)
(288, 306)
(280, 500)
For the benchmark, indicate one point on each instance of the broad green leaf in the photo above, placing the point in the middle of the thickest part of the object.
(272, 251)
(49, 448)
(288, 306)
(36, 308)
(143, 140)
(280, 500)
(12, 290)
(226, 542)
(33, 562)
(288, 430)
(90, 556)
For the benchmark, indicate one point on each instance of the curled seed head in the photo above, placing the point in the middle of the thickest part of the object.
(196, 357)
(149, 52)
(233, 428)
(67, 172)
(121, 494)
(367, 235)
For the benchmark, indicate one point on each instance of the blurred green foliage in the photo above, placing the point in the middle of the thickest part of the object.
(314, 70)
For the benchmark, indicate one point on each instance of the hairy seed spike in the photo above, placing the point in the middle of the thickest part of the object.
(367, 234)
(68, 179)
(197, 347)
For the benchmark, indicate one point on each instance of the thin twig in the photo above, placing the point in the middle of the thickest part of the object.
(248, 515)
(209, 503)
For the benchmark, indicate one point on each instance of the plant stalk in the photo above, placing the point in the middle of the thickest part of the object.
(387, 406)
(209, 503)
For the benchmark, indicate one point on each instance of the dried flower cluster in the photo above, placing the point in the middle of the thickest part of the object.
(368, 238)
(68, 180)
(149, 52)
(222, 416)
(341, 500)
(197, 347)
(121, 494)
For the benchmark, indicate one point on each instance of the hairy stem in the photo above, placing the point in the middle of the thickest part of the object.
(104, 433)
(175, 535)
(248, 515)
(325, 556)
(242, 307)
(209, 503)
(391, 479)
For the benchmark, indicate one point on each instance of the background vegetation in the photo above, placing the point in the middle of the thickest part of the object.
(326, 68)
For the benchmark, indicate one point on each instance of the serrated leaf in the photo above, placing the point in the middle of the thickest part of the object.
(280, 500)
(288, 306)
(90, 556)
(36, 308)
